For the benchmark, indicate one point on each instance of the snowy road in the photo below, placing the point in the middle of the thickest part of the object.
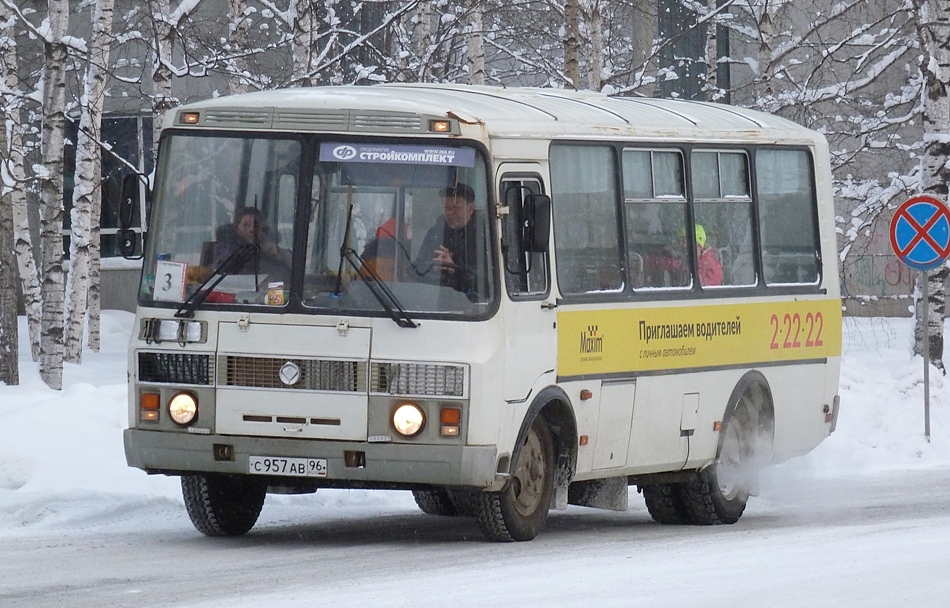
(808, 540)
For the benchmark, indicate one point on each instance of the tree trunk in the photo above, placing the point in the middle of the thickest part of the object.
(51, 210)
(712, 52)
(87, 195)
(304, 32)
(162, 60)
(9, 336)
(572, 68)
(12, 98)
(644, 58)
(933, 30)
(476, 44)
(593, 16)
(238, 27)
(423, 37)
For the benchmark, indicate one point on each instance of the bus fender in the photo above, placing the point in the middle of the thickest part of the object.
(759, 420)
(553, 404)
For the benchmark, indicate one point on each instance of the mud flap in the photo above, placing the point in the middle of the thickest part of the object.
(610, 493)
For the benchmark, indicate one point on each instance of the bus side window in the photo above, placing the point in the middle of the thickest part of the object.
(526, 273)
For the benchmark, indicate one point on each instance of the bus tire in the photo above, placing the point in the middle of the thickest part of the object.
(223, 505)
(465, 501)
(718, 493)
(519, 511)
(435, 502)
(666, 503)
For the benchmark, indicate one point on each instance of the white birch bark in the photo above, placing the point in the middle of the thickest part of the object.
(423, 37)
(9, 332)
(51, 210)
(87, 195)
(304, 30)
(572, 68)
(594, 19)
(933, 29)
(237, 81)
(14, 178)
(712, 52)
(476, 43)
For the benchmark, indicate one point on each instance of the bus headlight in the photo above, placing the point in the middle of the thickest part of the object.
(408, 419)
(183, 408)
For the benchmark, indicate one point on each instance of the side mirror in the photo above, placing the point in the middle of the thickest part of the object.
(128, 239)
(537, 223)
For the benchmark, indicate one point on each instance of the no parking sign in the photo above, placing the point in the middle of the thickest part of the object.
(920, 232)
(920, 236)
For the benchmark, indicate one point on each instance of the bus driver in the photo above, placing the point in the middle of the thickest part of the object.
(451, 245)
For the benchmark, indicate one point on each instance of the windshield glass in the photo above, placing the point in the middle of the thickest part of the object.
(409, 218)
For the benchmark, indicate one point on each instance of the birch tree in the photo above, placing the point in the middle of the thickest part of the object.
(933, 30)
(51, 209)
(476, 45)
(87, 195)
(14, 178)
(9, 333)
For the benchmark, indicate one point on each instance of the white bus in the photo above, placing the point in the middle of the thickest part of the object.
(505, 300)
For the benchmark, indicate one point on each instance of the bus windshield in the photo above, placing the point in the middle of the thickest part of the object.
(365, 227)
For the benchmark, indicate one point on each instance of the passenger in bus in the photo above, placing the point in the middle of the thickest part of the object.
(710, 269)
(673, 267)
(379, 258)
(248, 229)
(449, 251)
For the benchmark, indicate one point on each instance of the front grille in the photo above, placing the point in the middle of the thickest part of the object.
(175, 368)
(427, 379)
(315, 374)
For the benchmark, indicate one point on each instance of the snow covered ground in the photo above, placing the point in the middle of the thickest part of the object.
(63, 476)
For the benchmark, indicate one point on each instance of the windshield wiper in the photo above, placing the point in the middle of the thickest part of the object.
(230, 264)
(386, 298)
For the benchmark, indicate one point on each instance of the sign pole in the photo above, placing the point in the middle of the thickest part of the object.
(925, 315)
(920, 236)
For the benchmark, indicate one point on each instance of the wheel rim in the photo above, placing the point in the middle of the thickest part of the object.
(730, 466)
(527, 482)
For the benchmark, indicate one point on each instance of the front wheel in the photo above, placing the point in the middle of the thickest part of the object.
(519, 511)
(223, 505)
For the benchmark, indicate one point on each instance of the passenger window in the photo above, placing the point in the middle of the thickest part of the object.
(722, 234)
(584, 199)
(787, 216)
(655, 219)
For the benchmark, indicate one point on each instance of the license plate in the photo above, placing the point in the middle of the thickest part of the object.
(287, 467)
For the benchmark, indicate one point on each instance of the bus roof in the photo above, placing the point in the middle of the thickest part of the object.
(497, 112)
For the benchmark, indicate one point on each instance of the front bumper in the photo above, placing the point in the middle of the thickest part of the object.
(383, 463)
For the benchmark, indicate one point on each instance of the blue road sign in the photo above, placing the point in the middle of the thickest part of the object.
(920, 232)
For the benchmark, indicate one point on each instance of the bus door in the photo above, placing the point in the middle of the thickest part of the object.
(530, 332)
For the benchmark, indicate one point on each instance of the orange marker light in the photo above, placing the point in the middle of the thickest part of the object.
(717, 425)
(440, 126)
(189, 118)
(586, 394)
(150, 401)
(584, 439)
(451, 415)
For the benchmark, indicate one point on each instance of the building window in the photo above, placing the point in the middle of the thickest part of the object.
(682, 55)
(127, 149)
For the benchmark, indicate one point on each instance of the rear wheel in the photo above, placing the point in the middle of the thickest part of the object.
(223, 505)
(520, 510)
(718, 494)
(666, 504)
(435, 501)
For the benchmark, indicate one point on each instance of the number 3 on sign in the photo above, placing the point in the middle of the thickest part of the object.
(792, 331)
(170, 280)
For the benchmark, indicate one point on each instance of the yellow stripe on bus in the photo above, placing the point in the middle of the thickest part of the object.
(671, 338)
